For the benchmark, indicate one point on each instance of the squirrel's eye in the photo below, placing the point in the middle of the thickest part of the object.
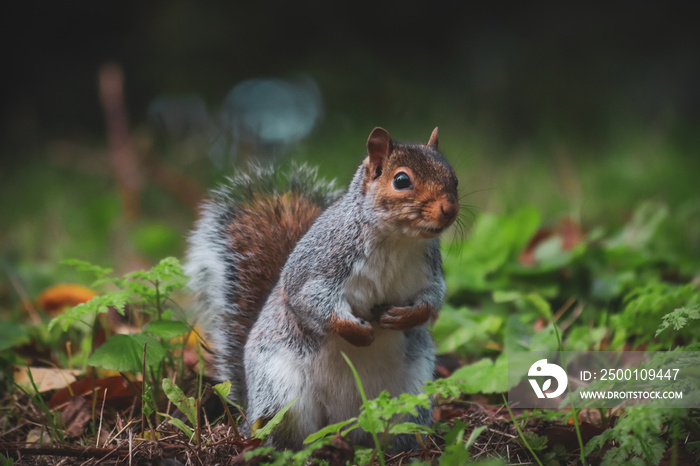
(402, 181)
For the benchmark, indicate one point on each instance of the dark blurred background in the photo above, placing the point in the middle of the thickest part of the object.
(579, 108)
(513, 66)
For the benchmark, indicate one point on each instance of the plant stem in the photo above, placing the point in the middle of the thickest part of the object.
(377, 444)
(520, 432)
(573, 408)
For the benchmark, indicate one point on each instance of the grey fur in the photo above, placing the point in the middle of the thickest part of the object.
(295, 334)
(349, 265)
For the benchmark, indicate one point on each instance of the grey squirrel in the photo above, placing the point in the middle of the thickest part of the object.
(289, 273)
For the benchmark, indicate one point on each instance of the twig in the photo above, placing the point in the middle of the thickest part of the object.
(102, 412)
(26, 302)
(76, 452)
(123, 157)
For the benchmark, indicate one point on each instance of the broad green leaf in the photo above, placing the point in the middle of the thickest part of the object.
(167, 329)
(494, 241)
(124, 353)
(12, 335)
(464, 330)
(484, 376)
(186, 404)
(223, 389)
(540, 304)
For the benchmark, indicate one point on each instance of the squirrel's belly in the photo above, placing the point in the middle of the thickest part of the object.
(391, 275)
(381, 366)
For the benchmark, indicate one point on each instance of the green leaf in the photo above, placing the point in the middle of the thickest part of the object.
(484, 376)
(12, 335)
(183, 427)
(124, 353)
(494, 241)
(536, 442)
(265, 431)
(189, 432)
(679, 318)
(186, 404)
(331, 429)
(97, 305)
(168, 273)
(167, 329)
(83, 266)
(410, 428)
(540, 304)
(456, 453)
(223, 389)
(474, 435)
(446, 388)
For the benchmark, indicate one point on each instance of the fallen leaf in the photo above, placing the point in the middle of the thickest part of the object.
(38, 435)
(569, 232)
(149, 435)
(540, 324)
(45, 378)
(119, 394)
(56, 298)
(76, 416)
(527, 257)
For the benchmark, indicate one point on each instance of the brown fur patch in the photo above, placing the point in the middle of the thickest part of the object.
(353, 333)
(404, 318)
(263, 234)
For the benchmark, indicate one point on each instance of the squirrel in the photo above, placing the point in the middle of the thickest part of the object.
(289, 272)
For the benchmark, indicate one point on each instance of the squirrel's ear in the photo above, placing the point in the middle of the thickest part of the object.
(433, 141)
(379, 147)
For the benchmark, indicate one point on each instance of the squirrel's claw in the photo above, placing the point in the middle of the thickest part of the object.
(357, 332)
(406, 317)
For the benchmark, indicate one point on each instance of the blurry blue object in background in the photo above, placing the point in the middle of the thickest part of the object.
(179, 116)
(265, 116)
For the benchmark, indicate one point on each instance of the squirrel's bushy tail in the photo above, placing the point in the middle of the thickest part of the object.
(238, 247)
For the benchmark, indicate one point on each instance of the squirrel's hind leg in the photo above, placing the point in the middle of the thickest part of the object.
(276, 374)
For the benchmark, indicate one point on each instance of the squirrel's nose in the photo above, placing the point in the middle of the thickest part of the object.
(449, 210)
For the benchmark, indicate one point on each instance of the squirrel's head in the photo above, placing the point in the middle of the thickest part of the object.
(412, 186)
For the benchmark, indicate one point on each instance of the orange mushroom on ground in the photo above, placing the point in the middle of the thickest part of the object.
(58, 297)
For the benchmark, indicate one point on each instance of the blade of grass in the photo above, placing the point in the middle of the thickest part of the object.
(377, 445)
(520, 432)
(573, 407)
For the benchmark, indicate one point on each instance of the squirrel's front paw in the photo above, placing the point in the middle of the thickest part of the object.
(405, 317)
(358, 332)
